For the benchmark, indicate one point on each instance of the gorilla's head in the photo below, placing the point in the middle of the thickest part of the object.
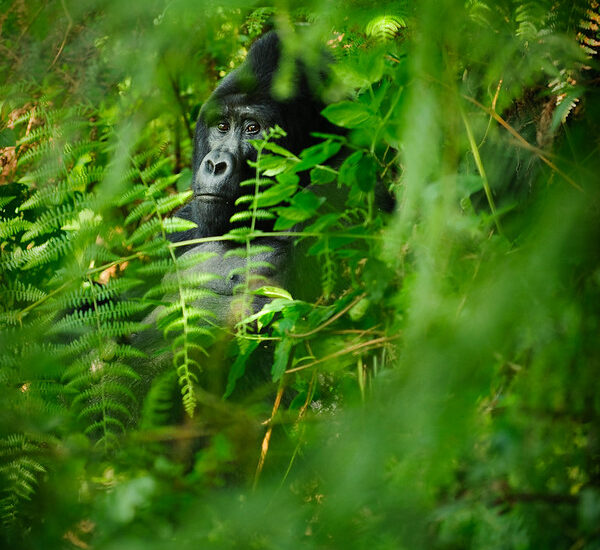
(240, 109)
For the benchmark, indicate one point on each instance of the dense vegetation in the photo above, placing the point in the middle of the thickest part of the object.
(439, 390)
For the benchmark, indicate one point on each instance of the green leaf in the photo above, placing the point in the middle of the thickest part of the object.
(282, 354)
(358, 311)
(303, 206)
(347, 114)
(175, 224)
(277, 149)
(274, 306)
(278, 193)
(366, 171)
(320, 176)
(237, 370)
(273, 292)
(272, 165)
(359, 169)
(317, 154)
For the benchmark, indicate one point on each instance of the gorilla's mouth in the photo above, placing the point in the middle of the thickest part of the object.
(209, 197)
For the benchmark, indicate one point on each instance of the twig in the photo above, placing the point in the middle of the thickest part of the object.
(523, 142)
(494, 101)
(265, 443)
(69, 27)
(377, 342)
(183, 107)
(331, 320)
(481, 170)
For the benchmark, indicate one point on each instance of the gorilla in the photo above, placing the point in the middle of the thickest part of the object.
(240, 109)
(242, 106)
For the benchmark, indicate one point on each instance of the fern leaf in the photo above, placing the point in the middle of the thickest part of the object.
(158, 404)
(252, 250)
(52, 220)
(141, 210)
(246, 216)
(6, 200)
(166, 204)
(12, 226)
(152, 191)
(135, 193)
(99, 408)
(175, 224)
(171, 284)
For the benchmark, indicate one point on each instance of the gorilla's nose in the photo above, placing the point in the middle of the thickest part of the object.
(218, 164)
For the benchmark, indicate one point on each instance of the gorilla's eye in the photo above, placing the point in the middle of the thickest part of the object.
(223, 126)
(253, 128)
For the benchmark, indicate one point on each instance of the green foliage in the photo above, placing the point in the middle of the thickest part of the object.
(427, 381)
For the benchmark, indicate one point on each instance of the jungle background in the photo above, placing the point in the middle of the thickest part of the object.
(439, 391)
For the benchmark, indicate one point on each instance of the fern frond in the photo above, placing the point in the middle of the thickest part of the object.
(244, 199)
(246, 216)
(166, 204)
(150, 173)
(38, 255)
(89, 340)
(12, 226)
(97, 253)
(152, 191)
(175, 225)
(111, 311)
(253, 281)
(73, 151)
(137, 192)
(531, 18)
(125, 351)
(94, 409)
(6, 200)
(252, 250)
(179, 324)
(54, 219)
(108, 424)
(87, 293)
(141, 210)
(101, 390)
(188, 295)
(158, 404)
(10, 317)
(44, 149)
(49, 194)
(165, 265)
(250, 265)
(47, 252)
(145, 231)
(21, 292)
(260, 182)
(171, 285)
(156, 248)
(20, 471)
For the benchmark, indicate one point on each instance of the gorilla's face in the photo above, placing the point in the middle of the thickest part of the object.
(240, 109)
(225, 126)
(229, 125)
